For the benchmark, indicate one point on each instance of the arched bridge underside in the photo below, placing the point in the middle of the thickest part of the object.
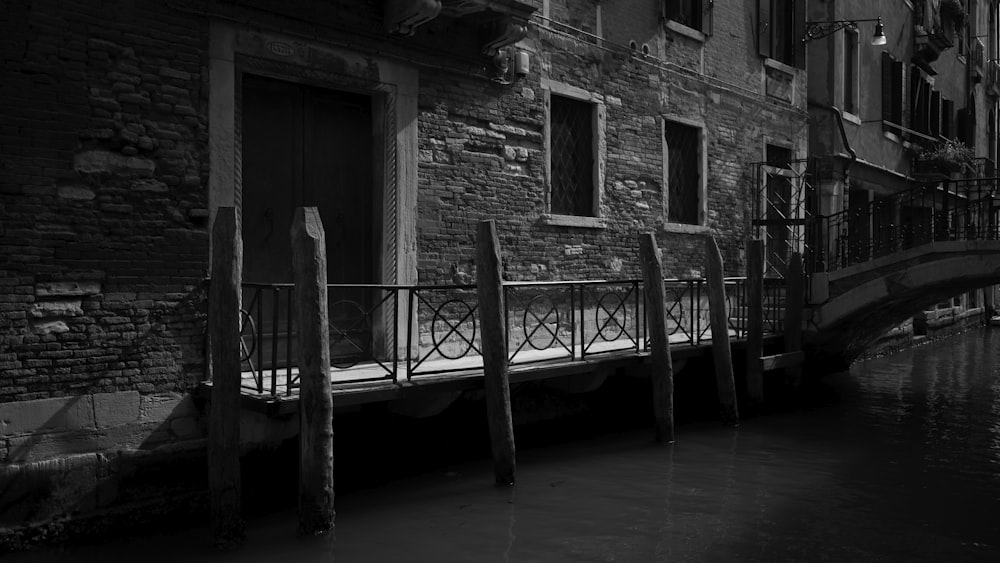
(849, 308)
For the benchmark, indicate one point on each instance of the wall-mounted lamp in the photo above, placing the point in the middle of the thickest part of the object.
(817, 30)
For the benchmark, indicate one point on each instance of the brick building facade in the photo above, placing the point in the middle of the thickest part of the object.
(125, 125)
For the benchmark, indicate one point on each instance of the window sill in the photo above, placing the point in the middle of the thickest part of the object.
(686, 31)
(894, 137)
(684, 228)
(853, 118)
(779, 66)
(577, 221)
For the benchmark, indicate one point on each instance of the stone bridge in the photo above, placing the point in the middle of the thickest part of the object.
(850, 307)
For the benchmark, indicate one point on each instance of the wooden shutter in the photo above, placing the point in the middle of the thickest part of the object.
(799, 32)
(935, 113)
(947, 118)
(764, 27)
(897, 92)
(962, 123)
(671, 9)
(886, 89)
(707, 16)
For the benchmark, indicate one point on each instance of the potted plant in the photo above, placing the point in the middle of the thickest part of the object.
(948, 156)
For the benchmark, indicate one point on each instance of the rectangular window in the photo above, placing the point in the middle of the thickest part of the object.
(851, 71)
(684, 172)
(781, 28)
(919, 102)
(935, 115)
(947, 118)
(892, 93)
(572, 156)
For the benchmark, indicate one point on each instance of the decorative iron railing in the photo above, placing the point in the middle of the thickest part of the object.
(385, 332)
(952, 210)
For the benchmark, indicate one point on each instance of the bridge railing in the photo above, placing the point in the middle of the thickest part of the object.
(394, 332)
(954, 210)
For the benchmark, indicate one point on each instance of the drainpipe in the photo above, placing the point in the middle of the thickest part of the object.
(843, 132)
(839, 117)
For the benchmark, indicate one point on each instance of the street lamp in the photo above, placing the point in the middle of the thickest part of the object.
(817, 30)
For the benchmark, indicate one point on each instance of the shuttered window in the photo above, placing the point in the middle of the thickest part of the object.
(947, 118)
(851, 71)
(781, 26)
(892, 93)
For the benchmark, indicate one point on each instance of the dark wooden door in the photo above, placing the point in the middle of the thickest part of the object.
(308, 146)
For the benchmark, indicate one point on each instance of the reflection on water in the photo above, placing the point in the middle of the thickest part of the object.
(904, 466)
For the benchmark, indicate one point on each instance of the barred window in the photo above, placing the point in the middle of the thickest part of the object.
(572, 156)
(684, 175)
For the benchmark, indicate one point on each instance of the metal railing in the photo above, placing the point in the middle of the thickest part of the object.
(952, 210)
(389, 332)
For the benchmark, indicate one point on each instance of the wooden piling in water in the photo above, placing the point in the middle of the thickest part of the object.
(489, 289)
(662, 369)
(316, 494)
(755, 320)
(224, 303)
(794, 303)
(719, 318)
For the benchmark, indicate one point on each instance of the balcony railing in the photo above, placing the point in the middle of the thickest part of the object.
(395, 332)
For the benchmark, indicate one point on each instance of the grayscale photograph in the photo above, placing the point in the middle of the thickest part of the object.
(514, 281)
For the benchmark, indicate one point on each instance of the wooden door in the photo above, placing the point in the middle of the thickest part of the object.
(307, 146)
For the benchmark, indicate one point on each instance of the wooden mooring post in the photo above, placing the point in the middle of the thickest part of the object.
(755, 320)
(489, 290)
(662, 368)
(721, 352)
(794, 303)
(316, 510)
(224, 414)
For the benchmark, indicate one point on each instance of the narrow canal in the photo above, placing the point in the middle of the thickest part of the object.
(898, 460)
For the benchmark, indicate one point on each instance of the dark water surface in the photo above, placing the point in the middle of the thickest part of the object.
(901, 463)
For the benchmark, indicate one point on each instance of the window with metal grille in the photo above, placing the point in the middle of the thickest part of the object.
(572, 156)
(683, 172)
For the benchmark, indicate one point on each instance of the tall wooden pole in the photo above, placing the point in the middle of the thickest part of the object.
(224, 303)
(755, 320)
(316, 511)
(722, 354)
(662, 374)
(489, 290)
(794, 302)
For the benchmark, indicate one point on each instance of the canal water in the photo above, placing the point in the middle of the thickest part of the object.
(898, 460)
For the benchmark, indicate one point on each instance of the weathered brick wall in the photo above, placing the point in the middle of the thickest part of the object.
(482, 153)
(102, 199)
(104, 149)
